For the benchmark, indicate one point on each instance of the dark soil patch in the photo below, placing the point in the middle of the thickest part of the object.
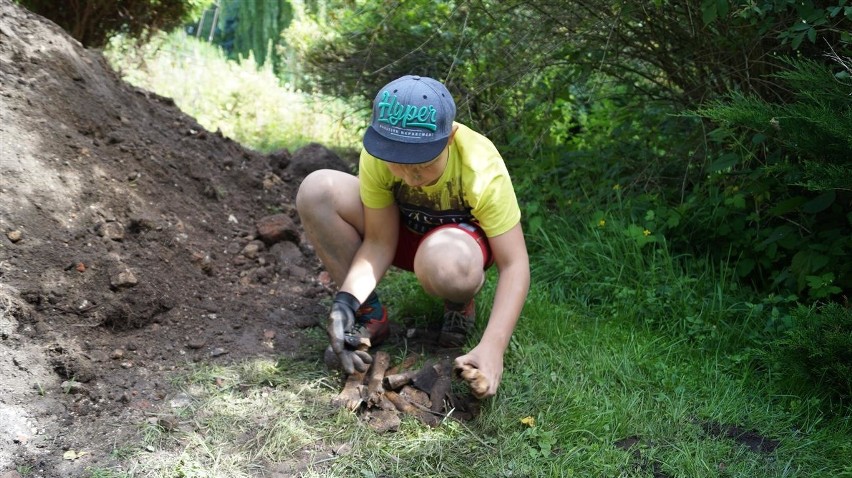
(132, 242)
(641, 463)
(751, 439)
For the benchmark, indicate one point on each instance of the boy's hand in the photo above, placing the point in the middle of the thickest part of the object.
(474, 378)
(360, 359)
(339, 327)
(482, 369)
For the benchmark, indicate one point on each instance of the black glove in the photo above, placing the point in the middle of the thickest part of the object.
(340, 328)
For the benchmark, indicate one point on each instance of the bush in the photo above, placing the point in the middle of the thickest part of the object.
(92, 22)
(780, 193)
(818, 348)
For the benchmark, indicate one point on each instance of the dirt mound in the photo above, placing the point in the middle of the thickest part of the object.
(131, 240)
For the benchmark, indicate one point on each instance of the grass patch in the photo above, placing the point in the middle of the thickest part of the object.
(590, 389)
(588, 384)
(246, 102)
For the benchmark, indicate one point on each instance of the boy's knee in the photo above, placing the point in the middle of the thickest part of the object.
(313, 188)
(449, 281)
(447, 266)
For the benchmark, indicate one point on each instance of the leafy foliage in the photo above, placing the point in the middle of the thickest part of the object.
(783, 190)
(93, 22)
(819, 347)
(582, 96)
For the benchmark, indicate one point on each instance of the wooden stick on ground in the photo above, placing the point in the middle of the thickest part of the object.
(381, 361)
(352, 395)
(441, 387)
(399, 380)
(405, 406)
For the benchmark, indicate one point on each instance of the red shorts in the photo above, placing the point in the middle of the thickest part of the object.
(409, 241)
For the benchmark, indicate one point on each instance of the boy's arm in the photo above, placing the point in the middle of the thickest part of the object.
(510, 255)
(371, 261)
(374, 257)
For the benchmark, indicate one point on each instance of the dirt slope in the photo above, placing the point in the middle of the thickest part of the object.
(131, 242)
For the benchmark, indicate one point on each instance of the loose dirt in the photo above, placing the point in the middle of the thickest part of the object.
(133, 242)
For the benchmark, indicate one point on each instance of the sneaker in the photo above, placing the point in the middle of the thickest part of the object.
(372, 323)
(459, 321)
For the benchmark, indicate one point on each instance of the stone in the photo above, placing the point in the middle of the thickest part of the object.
(15, 236)
(123, 280)
(277, 228)
(112, 230)
(252, 249)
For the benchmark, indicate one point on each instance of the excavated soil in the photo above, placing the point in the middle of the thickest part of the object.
(133, 242)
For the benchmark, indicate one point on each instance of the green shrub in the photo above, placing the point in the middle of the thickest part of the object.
(611, 265)
(778, 192)
(93, 22)
(818, 348)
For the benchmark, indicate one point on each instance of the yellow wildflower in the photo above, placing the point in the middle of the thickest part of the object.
(602, 223)
(528, 421)
(616, 187)
(646, 233)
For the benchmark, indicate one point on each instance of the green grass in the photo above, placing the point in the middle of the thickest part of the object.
(588, 379)
(247, 103)
(619, 339)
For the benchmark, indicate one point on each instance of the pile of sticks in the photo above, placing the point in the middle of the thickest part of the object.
(383, 393)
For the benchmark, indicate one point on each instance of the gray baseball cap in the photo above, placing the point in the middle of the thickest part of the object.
(412, 120)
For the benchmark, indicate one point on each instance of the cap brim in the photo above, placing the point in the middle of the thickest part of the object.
(401, 153)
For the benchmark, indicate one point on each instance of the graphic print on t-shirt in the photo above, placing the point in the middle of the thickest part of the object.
(421, 212)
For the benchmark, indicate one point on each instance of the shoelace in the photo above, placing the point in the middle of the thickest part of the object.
(456, 320)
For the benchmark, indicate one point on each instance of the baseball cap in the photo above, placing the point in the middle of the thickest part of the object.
(412, 120)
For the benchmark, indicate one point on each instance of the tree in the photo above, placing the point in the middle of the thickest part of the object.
(257, 27)
(92, 22)
(678, 52)
(246, 28)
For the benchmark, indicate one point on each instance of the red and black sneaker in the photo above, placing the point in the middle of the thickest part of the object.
(459, 321)
(372, 322)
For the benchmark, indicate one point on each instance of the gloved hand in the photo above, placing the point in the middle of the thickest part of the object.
(340, 329)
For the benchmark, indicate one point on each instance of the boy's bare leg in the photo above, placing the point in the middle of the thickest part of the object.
(329, 205)
(449, 265)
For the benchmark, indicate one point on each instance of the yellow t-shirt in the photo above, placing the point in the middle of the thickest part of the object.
(475, 187)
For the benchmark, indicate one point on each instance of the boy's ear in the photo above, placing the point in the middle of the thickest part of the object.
(453, 134)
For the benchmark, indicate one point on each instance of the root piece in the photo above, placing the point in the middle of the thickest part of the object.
(400, 403)
(416, 396)
(381, 360)
(425, 377)
(353, 393)
(385, 404)
(383, 420)
(441, 387)
(438, 393)
(399, 380)
(465, 407)
(474, 378)
(406, 364)
(407, 407)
